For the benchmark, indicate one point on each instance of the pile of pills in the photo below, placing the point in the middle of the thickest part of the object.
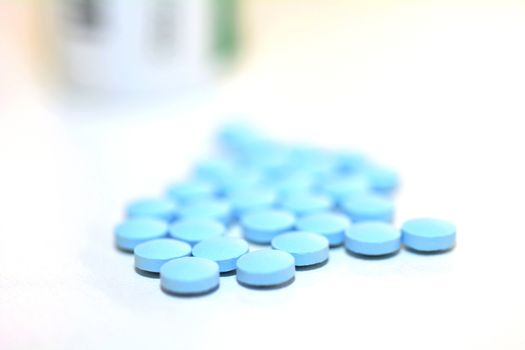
(299, 201)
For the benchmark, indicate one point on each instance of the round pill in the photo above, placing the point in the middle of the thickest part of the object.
(213, 169)
(265, 156)
(373, 238)
(341, 188)
(253, 199)
(191, 190)
(156, 208)
(237, 136)
(311, 156)
(223, 250)
(382, 180)
(151, 255)
(292, 183)
(316, 162)
(132, 232)
(238, 180)
(332, 226)
(265, 268)
(350, 162)
(368, 207)
(261, 226)
(307, 248)
(207, 209)
(306, 203)
(428, 235)
(193, 231)
(189, 276)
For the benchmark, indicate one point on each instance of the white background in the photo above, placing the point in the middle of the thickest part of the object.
(437, 92)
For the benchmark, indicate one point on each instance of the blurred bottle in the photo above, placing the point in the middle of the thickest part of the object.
(226, 29)
(145, 45)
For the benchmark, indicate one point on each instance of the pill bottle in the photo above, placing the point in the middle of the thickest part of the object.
(144, 45)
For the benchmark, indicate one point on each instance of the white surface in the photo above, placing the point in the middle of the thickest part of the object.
(64, 184)
(454, 131)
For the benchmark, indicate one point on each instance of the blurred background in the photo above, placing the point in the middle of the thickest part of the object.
(102, 101)
(403, 51)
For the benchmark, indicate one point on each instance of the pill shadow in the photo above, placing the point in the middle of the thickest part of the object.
(435, 252)
(257, 245)
(228, 273)
(122, 251)
(156, 275)
(189, 296)
(372, 257)
(336, 246)
(312, 267)
(147, 274)
(268, 288)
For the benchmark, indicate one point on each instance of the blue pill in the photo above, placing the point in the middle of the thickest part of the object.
(261, 226)
(292, 183)
(340, 188)
(227, 176)
(306, 203)
(315, 162)
(350, 162)
(382, 180)
(308, 156)
(237, 136)
(331, 225)
(265, 156)
(207, 209)
(189, 275)
(191, 190)
(253, 199)
(193, 231)
(265, 268)
(155, 208)
(307, 248)
(213, 169)
(151, 255)
(239, 180)
(373, 238)
(132, 232)
(223, 250)
(369, 207)
(428, 235)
